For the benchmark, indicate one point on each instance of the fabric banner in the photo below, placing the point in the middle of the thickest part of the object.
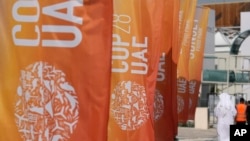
(137, 39)
(196, 56)
(165, 107)
(182, 66)
(55, 66)
(183, 15)
(175, 58)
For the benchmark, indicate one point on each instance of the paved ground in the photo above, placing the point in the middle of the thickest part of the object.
(193, 134)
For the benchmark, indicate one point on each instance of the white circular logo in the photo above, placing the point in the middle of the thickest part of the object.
(47, 106)
(129, 105)
(180, 103)
(158, 105)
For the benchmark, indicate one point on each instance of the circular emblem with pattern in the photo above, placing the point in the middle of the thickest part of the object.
(47, 106)
(180, 104)
(129, 105)
(158, 105)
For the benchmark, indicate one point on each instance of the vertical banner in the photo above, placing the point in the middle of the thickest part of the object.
(137, 39)
(182, 66)
(175, 57)
(55, 66)
(165, 112)
(196, 56)
(183, 14)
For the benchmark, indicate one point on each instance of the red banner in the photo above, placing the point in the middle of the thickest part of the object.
(175, 58)
(165, 94)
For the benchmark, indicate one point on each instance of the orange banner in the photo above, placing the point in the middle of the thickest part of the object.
(55, 66)
(137, 40)
(165, 112)
(183, 15)
(182, 66)
(196, 56)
